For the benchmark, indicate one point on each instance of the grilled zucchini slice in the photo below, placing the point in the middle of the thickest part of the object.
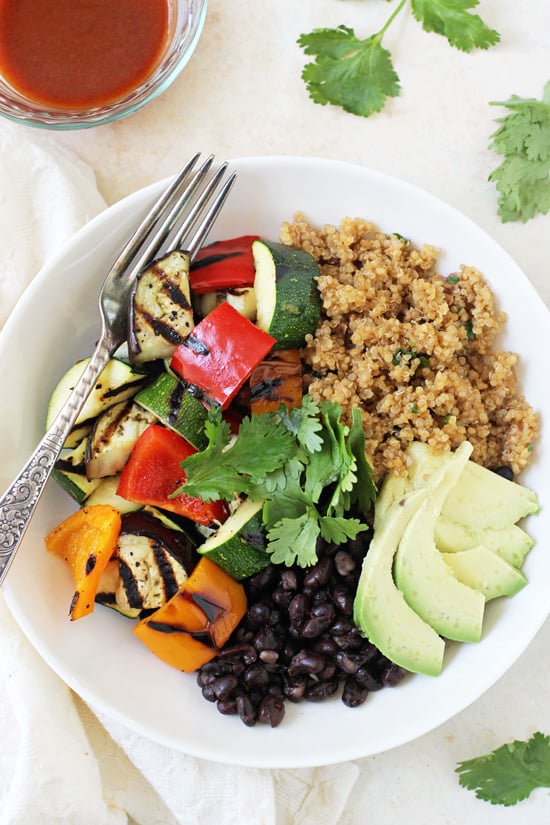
(160, 316)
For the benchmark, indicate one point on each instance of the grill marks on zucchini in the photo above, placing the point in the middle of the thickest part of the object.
(160, 316)
(113, 436)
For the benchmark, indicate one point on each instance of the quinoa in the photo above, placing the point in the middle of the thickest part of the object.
(412, 349)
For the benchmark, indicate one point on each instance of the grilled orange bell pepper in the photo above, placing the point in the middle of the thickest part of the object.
(86, 540)
(193, 625)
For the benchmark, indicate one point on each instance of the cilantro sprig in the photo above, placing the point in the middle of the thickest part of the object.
(508, 774)
(358, 74)
(523, 138)
(305, 464)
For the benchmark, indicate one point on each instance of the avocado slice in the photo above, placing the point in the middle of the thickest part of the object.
(450, 607)
(482, 508)
(511, 543)
(380, 610)
(485, 571)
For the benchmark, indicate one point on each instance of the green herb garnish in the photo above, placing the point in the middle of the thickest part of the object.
(523, 138)
(508, 774)
(358, 74)
(305, 464)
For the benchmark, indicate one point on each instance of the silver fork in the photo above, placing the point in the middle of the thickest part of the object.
(180, 219)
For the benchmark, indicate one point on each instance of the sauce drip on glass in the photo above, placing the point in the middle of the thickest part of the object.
(75, 54)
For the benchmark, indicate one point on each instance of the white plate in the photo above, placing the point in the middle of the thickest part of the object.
(55, 323)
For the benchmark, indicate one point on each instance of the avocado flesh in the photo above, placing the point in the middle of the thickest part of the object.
(450, 607)
(511, 543)
(483, 508)
(380, 610)
(485, 571)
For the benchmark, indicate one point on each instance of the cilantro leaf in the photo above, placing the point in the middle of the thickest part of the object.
(523, 138)
(356, 74)
(339, 530)
(508, 774)
(294, 540)
(364, 492)
(303, 463)
(304, 423)
(451, 18)
(263, 445)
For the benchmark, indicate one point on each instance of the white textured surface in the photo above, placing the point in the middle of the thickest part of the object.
(242, 95)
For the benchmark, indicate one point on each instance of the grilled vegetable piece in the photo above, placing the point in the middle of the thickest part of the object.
(193, 626)
(223, 265)
(106, 493)
(70, 473)
(117, 382)
(241, 298)
(86, 540)
(151, 562)
(153, 473)
(160, 314)
(220, 354)
(113, 436)
(167, 398)
(287, 298)
(239, 544)
(277, 380)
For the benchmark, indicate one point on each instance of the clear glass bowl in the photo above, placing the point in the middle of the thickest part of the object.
(187, 20)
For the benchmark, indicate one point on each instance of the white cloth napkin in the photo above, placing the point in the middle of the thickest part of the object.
(60, 762)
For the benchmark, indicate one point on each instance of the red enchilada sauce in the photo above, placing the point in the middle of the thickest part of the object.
(75, 54)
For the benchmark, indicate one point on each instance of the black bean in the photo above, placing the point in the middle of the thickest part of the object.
(297, 609)
(227, 706)
(246, 710)
(258, 614)
(342, 599)
(325, 645)
(319, 575)
(505, 472)
(223, 686)
(368, 679)
(295, 688)
(269, 656)
(306, 661)
(320, 619)
(391, 675)
(289, 580)
(256, 676)
(281, 596)
(268, 639)
(318, 691)
(344, 563)
(353, 693)
(271, 710)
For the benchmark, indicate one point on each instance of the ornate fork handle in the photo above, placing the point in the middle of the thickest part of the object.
(18, 503)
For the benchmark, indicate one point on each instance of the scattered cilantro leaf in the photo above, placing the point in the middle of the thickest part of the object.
(451, 18)
(358, 74)
(523, 138)
(508, 774)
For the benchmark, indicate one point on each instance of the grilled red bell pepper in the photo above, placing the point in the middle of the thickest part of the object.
(223, 265)
(153, 472)
(220, 354)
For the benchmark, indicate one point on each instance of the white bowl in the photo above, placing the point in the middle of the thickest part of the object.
(55, 323)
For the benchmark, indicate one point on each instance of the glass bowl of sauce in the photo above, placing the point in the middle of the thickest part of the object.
(71, 64)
